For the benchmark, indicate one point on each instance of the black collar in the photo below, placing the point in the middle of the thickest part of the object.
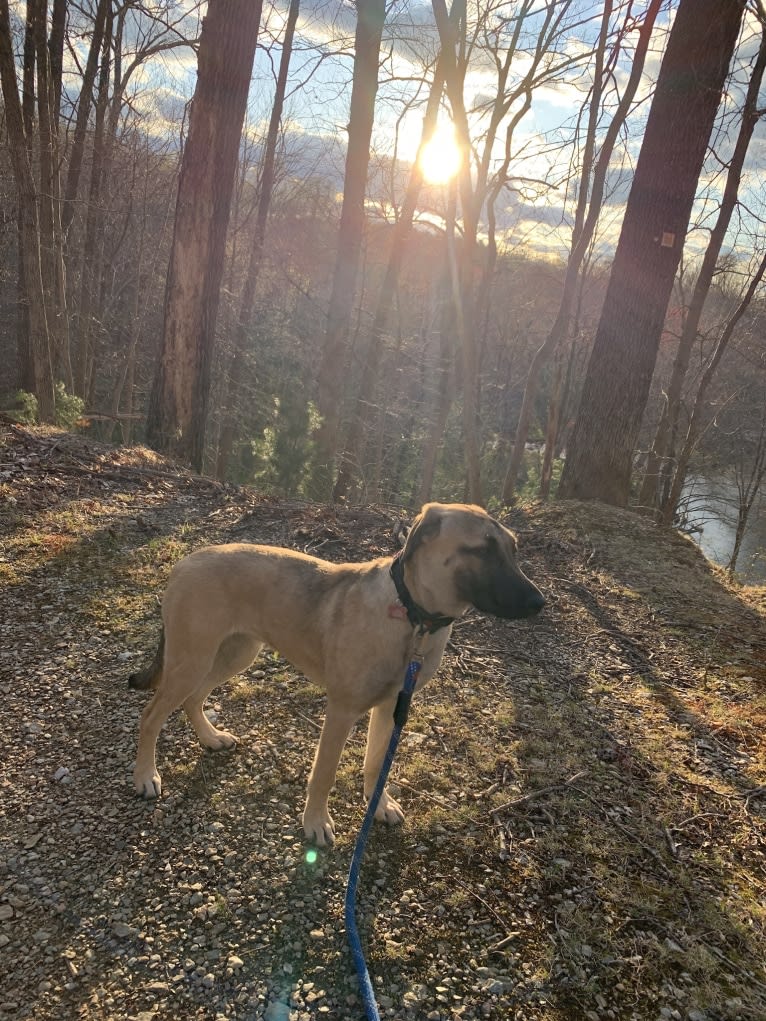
(426, 622)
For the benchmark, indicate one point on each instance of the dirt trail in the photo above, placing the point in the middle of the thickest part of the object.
(586, 793)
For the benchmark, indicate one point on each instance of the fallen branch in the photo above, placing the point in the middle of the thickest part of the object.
(539, 793)
(441, 802)
(124, 416)
(495, 914)
(119, 475)
(736, 967)
(624, 829)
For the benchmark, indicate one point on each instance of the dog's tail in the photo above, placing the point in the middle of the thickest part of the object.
(148, 678)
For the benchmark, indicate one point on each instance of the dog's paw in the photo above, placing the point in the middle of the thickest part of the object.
(319, 828)
(389, 811)
(148, 786)
(220, 740)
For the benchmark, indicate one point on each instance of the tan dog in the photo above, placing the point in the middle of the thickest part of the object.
(350, 628)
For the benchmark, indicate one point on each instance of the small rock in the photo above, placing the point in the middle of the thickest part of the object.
(495, 986)
(61, 773)
(235, 962)
(276, 1011)
(123, 931)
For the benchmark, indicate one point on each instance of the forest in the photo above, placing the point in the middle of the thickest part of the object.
(383, 252)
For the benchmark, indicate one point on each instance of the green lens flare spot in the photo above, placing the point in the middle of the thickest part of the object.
(311, 856)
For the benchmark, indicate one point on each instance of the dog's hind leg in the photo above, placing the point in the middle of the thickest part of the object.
(378, 736)
(168, 696)
(317, 821)
(235, 654)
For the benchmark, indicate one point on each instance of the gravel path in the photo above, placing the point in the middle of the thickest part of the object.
(514, 889)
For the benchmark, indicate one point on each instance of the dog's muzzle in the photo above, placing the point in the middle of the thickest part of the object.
(510, 596)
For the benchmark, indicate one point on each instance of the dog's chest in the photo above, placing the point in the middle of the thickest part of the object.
(430, 651)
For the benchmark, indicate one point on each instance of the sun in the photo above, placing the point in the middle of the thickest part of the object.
(440, 157)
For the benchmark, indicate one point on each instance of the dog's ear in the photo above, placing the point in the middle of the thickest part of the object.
(400, 533)
(426, 526)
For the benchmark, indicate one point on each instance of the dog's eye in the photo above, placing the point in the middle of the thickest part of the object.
(486, 550)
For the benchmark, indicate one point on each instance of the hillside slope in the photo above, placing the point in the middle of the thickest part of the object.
(586, 793)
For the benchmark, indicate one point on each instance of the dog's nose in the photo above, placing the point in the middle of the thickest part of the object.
(534, 602)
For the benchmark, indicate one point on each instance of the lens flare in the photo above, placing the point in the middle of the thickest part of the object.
(311, 856)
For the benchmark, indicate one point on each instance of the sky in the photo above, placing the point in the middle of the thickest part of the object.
(538, 217)
(530, 213)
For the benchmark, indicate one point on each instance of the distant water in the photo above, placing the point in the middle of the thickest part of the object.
(712, 506)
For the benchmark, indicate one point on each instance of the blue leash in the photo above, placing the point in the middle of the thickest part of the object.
(352, 933)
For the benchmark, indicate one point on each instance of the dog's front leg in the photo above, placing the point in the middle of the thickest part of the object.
(317, 822)
(378, 736)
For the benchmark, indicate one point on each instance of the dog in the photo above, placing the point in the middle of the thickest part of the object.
(350, 628)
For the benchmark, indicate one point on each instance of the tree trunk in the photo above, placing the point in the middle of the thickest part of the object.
(401, 231)
(369, 30)
(444, 395)
(51, 256)
(29, 235)
(179, 402)
(56, 56)
(461, 272)
(89, 273)
(589, 202)
(84, 104)
(664, 440)
(247, 300)
(56, 67)
(123, 389)
(748, 492)
(621, 365)
(461, 265)
(560, 398)
(695, 423)
(552, 426)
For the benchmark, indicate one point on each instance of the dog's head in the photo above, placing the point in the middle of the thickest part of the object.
(456, 556)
